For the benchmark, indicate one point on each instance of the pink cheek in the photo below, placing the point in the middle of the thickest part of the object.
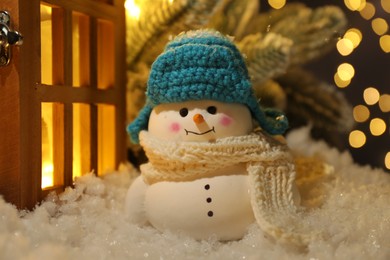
(226, 121)
(175, 127)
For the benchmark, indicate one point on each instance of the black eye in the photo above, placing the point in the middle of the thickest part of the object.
(183, 112)
(212, 110)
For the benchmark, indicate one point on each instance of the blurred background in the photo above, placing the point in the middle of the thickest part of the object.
(360, 68)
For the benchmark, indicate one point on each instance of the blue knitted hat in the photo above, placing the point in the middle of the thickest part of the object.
(203, 65)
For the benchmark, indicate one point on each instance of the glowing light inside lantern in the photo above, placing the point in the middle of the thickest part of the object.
(384, 42)
(47, 179)
(47, 175)
(277, 4)
(384, 103)
(361, 113)
(371, 96)
(357, 139)
(379, 26)
(377, 126)
(81, 140)
(368, 11)
(133, 10)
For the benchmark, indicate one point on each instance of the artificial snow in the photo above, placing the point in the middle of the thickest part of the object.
(87, 222)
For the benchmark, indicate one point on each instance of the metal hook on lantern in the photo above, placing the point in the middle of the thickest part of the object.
(7, 38)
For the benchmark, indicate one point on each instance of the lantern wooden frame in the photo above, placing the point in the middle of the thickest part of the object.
(23, 94)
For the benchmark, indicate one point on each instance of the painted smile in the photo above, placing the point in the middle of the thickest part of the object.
(195, 133)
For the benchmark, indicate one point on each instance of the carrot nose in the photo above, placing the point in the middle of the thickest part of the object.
(198, 119)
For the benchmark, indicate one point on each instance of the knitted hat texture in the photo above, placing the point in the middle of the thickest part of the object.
(203, 65)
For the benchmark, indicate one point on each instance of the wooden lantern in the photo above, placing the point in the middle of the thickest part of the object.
(62, 112)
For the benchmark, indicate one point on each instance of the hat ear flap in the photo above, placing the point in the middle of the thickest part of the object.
(276, 122)
(140, 123)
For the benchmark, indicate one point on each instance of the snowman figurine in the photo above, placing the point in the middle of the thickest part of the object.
(214, 168)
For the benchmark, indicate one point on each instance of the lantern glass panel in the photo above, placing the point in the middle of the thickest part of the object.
(106, 54)
(81, 49)
(46, 45)
(106, 138)
(52, 144)
(81, 139)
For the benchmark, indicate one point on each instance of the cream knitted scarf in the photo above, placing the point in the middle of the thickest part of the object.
(268, 162)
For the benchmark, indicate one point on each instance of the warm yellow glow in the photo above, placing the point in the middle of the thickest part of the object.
(47, 133)
(345, 71)
(357, 139)
(379, 26)
(361, 113)
(277, 4)
(45, 12)
(133, 10)
(46, 45)
(75, 51)
(384, 42)
(355, 5)
(81, 139)
(386, 5)
(387, 160)
(106, 138)
(344, 46)
(47, 175)
(354, 35)
(371, 96)
(47, 178)
(377, 126)
(384, 103)
(368, 11)
(339, 82)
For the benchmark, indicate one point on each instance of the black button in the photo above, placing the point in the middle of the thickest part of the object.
(210, 213)
(207, 186)
(208, 200)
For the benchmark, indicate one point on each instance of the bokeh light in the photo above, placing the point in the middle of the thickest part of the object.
(371, 96)
(387, 160)
(345, 71)
(133, 10)
(349, 42)
(368, 11)
(354, 35)
(361, 113)
(384, 103)
(379, 26)
(339, 82)
(355, 5)
(385, 5)
(344, 46)
(277, 4)
(357, 139)
(384, 42)
(377, 126)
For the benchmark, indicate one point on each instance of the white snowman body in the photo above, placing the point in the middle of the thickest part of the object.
(207, 207)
